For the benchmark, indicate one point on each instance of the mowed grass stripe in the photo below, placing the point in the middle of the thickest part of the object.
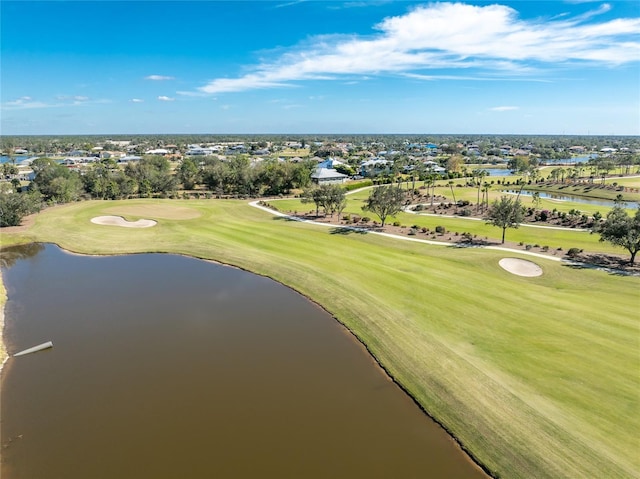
(537, 377)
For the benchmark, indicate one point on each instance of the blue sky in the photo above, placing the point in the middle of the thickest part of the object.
(512, 67)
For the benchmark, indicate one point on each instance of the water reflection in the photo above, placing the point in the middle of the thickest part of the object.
(11, 254)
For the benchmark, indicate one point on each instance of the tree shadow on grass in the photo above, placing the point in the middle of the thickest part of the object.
(286, 218)
(612, 265)
(345, 230)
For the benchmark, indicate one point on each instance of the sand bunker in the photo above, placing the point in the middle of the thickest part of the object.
(521, 267)
(120, 221)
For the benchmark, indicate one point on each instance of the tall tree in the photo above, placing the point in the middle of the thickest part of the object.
(505, 213)
(385, 201)
(478, 174)
(189, 173)
(620, 229)
(452, 193)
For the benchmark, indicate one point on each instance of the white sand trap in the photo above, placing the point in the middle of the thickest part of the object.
(521, 267)
(120, 221)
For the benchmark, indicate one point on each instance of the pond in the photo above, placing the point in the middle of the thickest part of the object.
(498, 172)
(165, 367)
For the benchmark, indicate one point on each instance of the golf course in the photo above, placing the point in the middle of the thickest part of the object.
(534, 376)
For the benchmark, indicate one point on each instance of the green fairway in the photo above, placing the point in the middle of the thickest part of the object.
(536, 377)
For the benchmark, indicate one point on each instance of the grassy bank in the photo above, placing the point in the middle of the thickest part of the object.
(536, 377)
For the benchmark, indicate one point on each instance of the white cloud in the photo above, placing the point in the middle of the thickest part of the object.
(158, 78)
(75, 99)
(295, 2)
(165, 98)
(491, 39)
(27, 103)
(20, 101)
(504, 108)
(136, 100)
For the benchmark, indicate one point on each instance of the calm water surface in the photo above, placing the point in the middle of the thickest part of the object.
(577, 199)
(170, 367)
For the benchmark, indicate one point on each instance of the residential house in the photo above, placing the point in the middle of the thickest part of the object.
(326, 176)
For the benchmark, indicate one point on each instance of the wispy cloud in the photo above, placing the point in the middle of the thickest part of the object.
(419, 76)
(27, 102)
(367, 4)
(75, 99)
(136, 100)
(158, 78)
(288, 4)
(165, 98)
(490, 39)
(504, 108)
(20, 101)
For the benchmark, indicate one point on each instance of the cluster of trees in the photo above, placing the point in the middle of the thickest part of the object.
(239, 175)
(331, 198)
(151, 176)
(384, 201)
(14, 206)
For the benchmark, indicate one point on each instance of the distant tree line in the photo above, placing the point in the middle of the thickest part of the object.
(151, 176)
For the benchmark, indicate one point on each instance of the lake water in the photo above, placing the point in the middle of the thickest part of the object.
(171, 367)
(498, 172)
(16, 159)
(571, 161)
(577, 199)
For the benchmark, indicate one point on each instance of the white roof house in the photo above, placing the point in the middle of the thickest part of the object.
(434, 167)
(325, 176)
(374, 166)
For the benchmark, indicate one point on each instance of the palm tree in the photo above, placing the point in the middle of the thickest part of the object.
(428, 182)
(453, 194)
(477, 175)
(485, 195)
(562, 174)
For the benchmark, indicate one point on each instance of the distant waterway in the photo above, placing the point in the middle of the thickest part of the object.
(170, 367)
(577, 199)
(15, 159)
(571, 161)
(498, 171)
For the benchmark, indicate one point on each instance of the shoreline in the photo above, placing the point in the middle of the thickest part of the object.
(4, 356)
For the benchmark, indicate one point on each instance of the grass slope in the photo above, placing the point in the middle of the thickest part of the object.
(536, 377)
